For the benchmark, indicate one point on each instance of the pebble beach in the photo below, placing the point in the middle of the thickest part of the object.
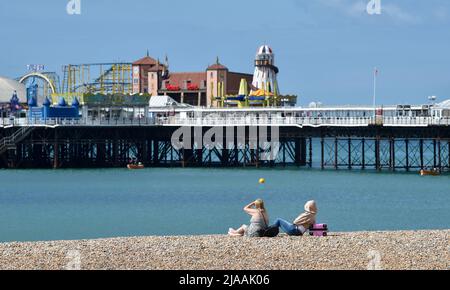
(409, 250)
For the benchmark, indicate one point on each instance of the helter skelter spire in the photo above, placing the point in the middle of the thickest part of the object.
(265, 76)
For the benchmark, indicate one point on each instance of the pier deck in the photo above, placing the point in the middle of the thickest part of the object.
(322, 138)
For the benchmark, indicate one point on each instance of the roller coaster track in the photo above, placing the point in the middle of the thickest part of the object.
(104, 75)
(77, 77)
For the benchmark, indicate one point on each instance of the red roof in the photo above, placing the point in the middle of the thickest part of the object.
(217, 66)
(145, 61)
(177, 79)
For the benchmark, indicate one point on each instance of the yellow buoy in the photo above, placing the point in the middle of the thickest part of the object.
(262, 181)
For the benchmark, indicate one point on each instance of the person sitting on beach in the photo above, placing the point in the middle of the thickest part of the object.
(302, 223)
(258, 222)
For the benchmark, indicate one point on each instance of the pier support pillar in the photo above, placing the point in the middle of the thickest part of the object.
(448, 153)
(12, 159)
(19, 154)
(37, 154)
(101, 154)
(349, 153)
(199, 157)
(363, 153)
(225, 157)
(393, 155)
(115, 150)
(336, 153)
(148, 152)
(422, 166)
(256, 152)
(56, 151)
(408, 167)
(377, 153)
(56, 155)
(439, 155)
(434, 153)
(236, 151)
(156, 158)
(310, 152)
(187, 156)
(300, 152)
(392, 165)
(322, 153)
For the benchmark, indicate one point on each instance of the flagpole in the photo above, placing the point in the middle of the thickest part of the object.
(375, 89)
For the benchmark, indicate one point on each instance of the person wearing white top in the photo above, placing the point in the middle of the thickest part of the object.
(302, 223)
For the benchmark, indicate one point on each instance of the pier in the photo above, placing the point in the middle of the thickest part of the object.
(106, 115)
(326, 138)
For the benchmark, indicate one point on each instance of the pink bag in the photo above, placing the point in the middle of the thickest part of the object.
(318, 233)
(319, 227)
(318, 230)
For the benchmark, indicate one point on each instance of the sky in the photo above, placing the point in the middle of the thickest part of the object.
(326, 50)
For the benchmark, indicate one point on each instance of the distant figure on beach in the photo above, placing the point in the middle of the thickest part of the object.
(258, 223)
(302, 223)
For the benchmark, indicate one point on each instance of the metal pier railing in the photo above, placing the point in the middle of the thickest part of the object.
(233, 121)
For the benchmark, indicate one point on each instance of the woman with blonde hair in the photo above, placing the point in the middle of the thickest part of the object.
(258, 223)
(302, 223)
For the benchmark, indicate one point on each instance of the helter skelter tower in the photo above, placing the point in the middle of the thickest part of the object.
(265, 76)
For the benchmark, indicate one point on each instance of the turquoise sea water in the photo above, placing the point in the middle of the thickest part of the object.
(81, 204)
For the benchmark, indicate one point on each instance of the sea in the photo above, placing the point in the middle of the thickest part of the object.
(42, 205)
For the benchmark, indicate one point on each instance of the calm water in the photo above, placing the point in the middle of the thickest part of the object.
(78, 204)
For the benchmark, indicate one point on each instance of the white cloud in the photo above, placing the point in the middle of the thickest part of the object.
(399, 14)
